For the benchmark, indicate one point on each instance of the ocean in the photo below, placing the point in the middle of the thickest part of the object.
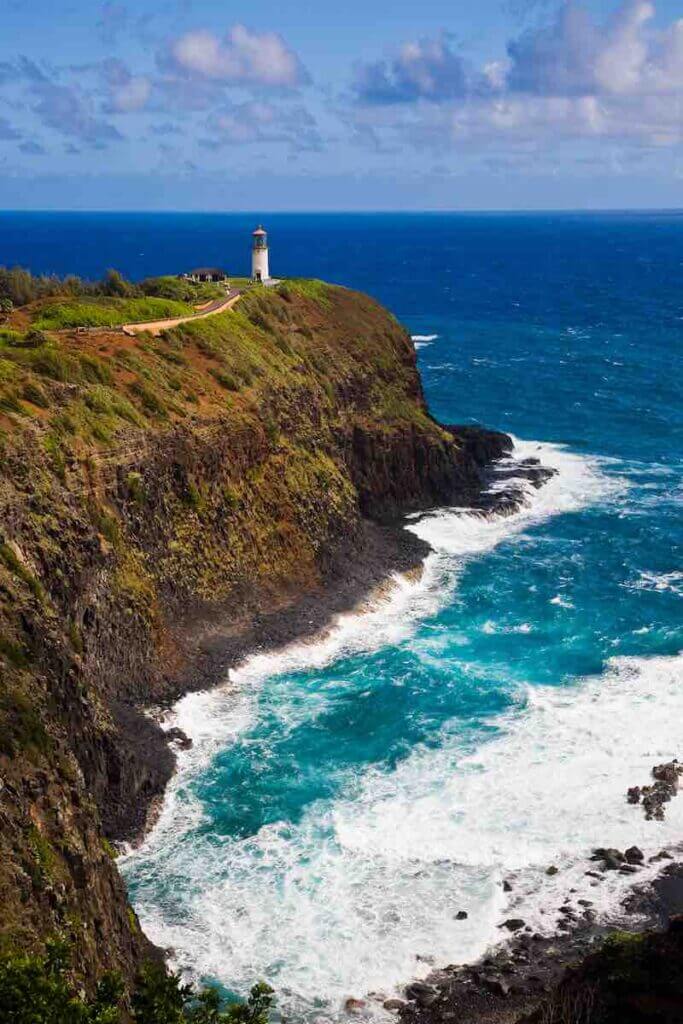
(345, 799)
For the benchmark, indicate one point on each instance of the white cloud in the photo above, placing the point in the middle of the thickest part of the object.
(242, 57)
(570, 78)
(263, 122)
(428, 69)
(131, 95)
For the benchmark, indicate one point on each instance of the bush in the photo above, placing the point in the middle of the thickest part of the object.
(108, 312)
(161, 998)
(36, 990)
(19, 286)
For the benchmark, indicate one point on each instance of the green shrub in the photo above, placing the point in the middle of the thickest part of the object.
(9, 402)
(22, 726)
(226, 380)
(36, 990)
(161, 998)
(94, 370)
(108, 312)
(15, 566)
(110, 851)
(55, 451)
(15, 653)
(136, 488)
(151, 402)
(35, 394)
(193, 497)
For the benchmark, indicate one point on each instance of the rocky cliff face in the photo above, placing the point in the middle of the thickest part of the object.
(164, 504)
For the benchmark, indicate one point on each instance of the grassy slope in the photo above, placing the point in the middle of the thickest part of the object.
(106, 312)
(141, 477)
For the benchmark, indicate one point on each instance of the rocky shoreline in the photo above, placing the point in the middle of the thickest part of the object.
(523, 979)
(212, 646)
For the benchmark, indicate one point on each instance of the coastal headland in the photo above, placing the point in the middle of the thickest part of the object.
(168, 504)
(172, 502)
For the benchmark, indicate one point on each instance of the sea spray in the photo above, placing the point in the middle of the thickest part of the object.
(340, 897)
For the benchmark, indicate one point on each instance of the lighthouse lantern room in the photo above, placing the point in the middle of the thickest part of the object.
(259, 256)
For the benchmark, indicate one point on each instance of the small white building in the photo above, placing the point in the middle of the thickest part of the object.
(259, 256)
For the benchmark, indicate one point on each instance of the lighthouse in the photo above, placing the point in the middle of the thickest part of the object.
(259, 256)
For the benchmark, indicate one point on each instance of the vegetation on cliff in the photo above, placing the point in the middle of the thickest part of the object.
(148, 487)
(19, 287)
(39, 989)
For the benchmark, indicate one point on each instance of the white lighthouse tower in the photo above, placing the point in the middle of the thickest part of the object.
(259, 256)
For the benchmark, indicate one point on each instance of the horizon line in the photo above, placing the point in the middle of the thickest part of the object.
(353, 210)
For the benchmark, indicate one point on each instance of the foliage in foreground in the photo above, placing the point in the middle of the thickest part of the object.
(19, 286)
(38, 990)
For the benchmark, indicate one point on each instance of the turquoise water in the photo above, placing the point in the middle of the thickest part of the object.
(344, 800)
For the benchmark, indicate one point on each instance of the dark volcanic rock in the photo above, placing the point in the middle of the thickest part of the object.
(654, 797)
(422, 993)
(513, 924)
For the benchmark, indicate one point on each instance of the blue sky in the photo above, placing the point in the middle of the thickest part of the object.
(447, 104)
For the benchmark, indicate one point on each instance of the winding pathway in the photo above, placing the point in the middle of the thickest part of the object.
(157, 326)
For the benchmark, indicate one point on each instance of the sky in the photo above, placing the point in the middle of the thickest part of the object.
(360, 105)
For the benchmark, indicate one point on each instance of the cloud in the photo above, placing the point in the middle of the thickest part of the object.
(21, 70)
(70, 112)
(166, 128)
(243, 123)
(240, 58)
(574, 56)
(569, 77)
(7, 132)
(32, 148)
(127, 93)
(428, 69)
(114, 19)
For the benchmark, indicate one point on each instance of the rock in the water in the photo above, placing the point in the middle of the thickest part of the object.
(393, 1005)
(461, 915)
(653, 798)
(506, 886)
(662, 855)
(552, 870)
(634, 855)
(422, 993)
(180, 738)
(610, 857)
(354, 1005)
(513, 924)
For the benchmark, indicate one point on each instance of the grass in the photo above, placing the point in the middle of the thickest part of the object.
(107, 312)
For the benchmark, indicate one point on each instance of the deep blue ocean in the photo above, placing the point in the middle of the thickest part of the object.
(345, 799)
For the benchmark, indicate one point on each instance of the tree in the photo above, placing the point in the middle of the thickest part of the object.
(161, 998)
(115, 284)
(36, 990)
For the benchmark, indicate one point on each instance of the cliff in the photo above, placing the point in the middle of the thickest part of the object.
(165, 503)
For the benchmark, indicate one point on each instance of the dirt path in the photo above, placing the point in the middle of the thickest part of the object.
(157, 326)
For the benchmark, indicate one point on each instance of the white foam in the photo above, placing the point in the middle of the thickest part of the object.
(659, 582)
(343, 901)
(579, 481)
(424, 337)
